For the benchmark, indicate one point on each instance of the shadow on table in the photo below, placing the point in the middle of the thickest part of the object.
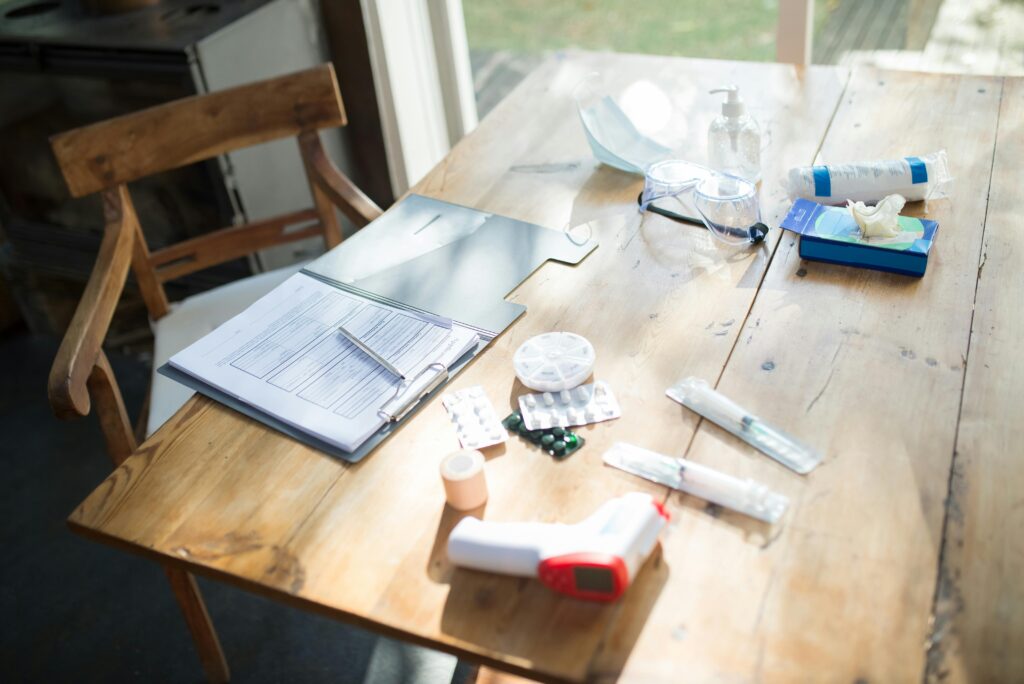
(439, 569)
(523, 622)
(608, 199)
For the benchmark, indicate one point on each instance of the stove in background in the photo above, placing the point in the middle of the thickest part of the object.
(66, 63)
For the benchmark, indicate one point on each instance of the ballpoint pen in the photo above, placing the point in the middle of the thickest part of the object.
(369, 352)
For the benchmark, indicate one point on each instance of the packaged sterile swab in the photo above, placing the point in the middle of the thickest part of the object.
(696, 395)
(746, 496)
(916, 178)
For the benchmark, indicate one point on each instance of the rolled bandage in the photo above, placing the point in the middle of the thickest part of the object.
(463, 475)
(916, 178)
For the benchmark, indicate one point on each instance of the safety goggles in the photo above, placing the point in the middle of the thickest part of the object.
(727, 205)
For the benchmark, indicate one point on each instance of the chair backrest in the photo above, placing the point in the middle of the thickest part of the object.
(105, 156)
(129, 147)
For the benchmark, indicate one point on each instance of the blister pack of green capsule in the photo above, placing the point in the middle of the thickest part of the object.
(558, 441)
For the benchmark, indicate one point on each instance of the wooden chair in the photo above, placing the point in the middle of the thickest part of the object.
(104, 157)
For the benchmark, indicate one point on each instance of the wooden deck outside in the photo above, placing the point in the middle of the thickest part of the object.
(953, 36)
(968, 37)
(870, 25)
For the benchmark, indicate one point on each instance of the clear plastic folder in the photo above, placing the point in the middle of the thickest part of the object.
(424, 284)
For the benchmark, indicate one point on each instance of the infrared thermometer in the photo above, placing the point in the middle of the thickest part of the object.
(594, 559)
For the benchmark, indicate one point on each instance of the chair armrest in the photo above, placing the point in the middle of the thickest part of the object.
(345, 195)
(82, 344)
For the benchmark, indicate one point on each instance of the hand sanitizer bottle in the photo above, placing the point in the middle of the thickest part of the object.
(734, 139)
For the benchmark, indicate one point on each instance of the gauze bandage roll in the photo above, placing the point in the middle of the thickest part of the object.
(463, 475)
(916, 178)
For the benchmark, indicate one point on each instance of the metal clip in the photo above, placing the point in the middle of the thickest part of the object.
(441, 375)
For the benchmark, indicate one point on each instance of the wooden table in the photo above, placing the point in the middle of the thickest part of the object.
(901, 555)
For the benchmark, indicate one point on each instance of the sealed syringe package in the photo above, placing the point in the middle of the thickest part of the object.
(916, 178)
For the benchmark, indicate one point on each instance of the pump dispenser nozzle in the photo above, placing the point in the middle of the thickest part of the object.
(733, 105)
(734, 139)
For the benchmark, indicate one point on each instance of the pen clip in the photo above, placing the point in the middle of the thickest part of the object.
(441, 375)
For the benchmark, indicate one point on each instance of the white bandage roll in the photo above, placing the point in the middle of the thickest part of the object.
(463, 475)
(915, 178)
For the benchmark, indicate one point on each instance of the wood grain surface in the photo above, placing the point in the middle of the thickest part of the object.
(867, 366)
(979, 621)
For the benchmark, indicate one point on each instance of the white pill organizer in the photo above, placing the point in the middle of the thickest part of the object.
(578, 406)
(554, 361)
(476, 423)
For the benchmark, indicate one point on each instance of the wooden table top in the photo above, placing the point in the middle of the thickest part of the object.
(900, 557)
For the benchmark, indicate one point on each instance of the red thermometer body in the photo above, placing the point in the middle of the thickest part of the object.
(593, 560)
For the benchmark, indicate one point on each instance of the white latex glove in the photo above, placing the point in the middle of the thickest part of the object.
(881, 220)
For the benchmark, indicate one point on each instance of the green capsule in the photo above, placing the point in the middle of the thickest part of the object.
(513, 421)
(558, 446)
(558, 432)
(547, 440)
(570, 440)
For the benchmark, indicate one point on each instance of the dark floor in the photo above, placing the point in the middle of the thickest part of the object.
(74, 610)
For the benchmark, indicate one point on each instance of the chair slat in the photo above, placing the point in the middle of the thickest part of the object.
(233, 242)
(165, 137)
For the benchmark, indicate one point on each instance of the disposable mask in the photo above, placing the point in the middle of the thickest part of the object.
(613, 137)
(727, 205)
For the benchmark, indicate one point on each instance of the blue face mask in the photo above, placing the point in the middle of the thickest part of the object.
(613, 138)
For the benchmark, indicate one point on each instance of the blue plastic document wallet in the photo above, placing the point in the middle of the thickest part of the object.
(423, 287)
(831, 234)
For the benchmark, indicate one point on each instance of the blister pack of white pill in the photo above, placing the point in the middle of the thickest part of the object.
(476, 423)
(579, 406)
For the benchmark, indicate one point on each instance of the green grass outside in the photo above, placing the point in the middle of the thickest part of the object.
(725, 29)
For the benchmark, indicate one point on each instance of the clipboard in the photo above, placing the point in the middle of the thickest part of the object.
(436, 259)
(399, 415)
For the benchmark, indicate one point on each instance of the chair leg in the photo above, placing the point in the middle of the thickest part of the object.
(211, 655)
(141, 423)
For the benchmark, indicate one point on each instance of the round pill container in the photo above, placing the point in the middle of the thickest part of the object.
(554, 361)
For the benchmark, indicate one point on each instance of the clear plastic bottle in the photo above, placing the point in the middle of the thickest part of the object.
(734, 139)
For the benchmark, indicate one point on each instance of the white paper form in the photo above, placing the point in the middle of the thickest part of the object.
(285, 356)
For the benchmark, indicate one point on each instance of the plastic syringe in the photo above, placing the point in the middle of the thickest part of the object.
(698, 396)
(746, 496)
